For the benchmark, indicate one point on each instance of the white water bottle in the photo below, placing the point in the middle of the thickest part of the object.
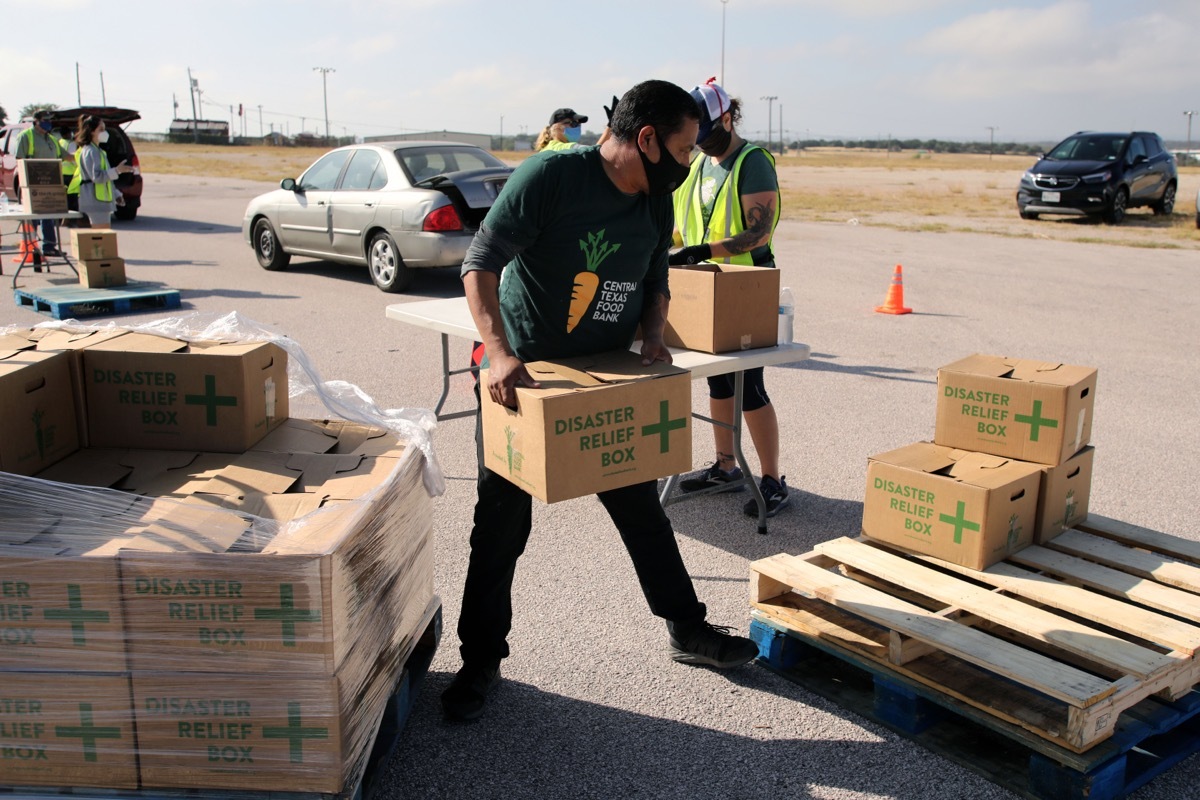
(3, 203)
(787, 315)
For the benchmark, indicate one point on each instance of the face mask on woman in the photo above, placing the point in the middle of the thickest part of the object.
(572, 134)
(102, 138)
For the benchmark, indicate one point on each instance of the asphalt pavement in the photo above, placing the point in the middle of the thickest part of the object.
(591, 706)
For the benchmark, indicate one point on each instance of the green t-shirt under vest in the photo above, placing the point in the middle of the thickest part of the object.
(586, 252)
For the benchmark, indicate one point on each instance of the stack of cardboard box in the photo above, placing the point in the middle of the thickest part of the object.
(100, 266)
(42, 189)
(227, 608)
(1009, 465)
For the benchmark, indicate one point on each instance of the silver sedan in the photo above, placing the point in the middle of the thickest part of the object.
(391, 206)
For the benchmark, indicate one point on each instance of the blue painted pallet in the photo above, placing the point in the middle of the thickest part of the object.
(73, 302)
(1149, 739)
(366, 786)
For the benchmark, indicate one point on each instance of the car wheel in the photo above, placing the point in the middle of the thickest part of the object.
(267, 249)
(125, 213)
(1028, 214)
(388, 270)
(1165, 206)
(1116, 212)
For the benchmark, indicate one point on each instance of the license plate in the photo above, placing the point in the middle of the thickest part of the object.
(1051, 197)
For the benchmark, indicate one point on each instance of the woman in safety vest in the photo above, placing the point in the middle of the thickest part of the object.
(94, 178)
(562, 133)
(726, 211)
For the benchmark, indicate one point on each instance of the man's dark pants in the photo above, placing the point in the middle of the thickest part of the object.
(503, 519)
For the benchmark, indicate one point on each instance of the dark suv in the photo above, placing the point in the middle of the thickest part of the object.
(118, 148)
(1102, 174)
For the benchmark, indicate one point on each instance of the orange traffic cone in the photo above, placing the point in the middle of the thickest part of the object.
(29, 249)
(894, 304)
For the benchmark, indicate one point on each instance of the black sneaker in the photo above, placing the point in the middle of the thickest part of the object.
(51, 250)
(710, 645)
(466, 695)
(775, 492)
(712, 477)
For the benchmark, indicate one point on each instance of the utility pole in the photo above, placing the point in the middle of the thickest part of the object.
(193, 87)
(782, 145)
(78, 91)
(723, 4)
(991, 139)
(1189, 115)
(501, 132)
(260, 130)
(325, 91)
(770, 98)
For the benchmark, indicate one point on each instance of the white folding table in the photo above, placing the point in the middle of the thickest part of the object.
(452, 317)
(29, 238)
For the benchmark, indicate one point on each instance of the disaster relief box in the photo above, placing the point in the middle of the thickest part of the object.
(38, 409)
(87, 243)
(1035, 411)
(67, 730)
(101, 273)
(718, 308)
(596, 423)
(73, 341)
(1063, 500)
(971, 509)
(160, 393)
(42, 189)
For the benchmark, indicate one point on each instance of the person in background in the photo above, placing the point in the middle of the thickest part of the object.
(38, 141)
(726, 211)
(614, 200)
(562, 133)
(68, 169)
(94, 179)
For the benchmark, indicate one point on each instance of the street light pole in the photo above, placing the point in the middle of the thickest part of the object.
(770, 98)
(1189, 115)
(325, 91)
(991, 139)
(723, 4)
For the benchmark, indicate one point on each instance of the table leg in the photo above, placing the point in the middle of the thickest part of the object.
(28, 248)
(755, 489)
(447, 373)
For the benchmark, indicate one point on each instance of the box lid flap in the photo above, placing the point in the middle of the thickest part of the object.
(140, 343)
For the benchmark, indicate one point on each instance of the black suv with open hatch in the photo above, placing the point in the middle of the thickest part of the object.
(1100, 174)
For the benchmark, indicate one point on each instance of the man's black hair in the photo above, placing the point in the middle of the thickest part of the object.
(660, 104)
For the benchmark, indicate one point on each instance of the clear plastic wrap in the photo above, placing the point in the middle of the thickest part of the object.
(214, 621)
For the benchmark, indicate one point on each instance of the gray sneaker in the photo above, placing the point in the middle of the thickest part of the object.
(713, 477)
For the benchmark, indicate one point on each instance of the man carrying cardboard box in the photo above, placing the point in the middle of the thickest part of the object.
(584, 235)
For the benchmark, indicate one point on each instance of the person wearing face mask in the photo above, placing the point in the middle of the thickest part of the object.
(607, 210)
(726, 211)
(562, 133)
(38, 141)
(94, 179)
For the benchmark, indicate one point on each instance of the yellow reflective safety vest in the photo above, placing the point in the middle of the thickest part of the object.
(68, 166)
(726, 220)
(555, 144)
(27, 137)
(104, 189)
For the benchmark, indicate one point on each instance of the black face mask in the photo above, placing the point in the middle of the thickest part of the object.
(718, 140)
(665, 176)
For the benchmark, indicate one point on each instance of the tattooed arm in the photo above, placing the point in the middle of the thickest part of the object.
(759, 210)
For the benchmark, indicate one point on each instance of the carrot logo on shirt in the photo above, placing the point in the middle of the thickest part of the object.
(595, 250)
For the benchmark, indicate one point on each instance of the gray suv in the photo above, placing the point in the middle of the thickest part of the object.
(1100, 174)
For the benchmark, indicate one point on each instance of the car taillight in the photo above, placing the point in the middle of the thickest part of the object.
(443, 219)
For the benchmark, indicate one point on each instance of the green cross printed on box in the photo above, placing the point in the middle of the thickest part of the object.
(662, 429)
(287, 614)
(959, 521)
(1036, 421)
(87, 731)
(210, 399)
(295, 733)
(76, 614)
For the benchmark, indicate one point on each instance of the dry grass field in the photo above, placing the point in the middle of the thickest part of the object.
(913, 191)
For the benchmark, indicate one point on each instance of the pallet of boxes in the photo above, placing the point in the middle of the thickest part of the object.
(100, 264)
(982, 595)
(197, 591)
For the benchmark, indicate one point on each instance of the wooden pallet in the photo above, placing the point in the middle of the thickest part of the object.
(1058, 640)
(367, 784)
(73, 302)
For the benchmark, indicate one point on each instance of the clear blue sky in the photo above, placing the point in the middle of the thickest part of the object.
(839, 69)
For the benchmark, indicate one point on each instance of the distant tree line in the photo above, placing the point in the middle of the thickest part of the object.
(927, 145)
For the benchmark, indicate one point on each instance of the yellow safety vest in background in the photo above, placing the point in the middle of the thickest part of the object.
(68, 166)
(28, 135)
(104, 190)
(555, 144)
(726, 220)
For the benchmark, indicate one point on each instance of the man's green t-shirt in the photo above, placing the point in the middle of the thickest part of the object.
(586, 252)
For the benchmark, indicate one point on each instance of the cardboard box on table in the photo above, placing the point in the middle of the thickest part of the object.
(37, 408)
(160, 393)
(718, 308)
(42, 189)
(87, 244)
(967, 508)
(101, 273)
(1065, 494)
(597, 423)
(1031, 410)
(61, 730)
